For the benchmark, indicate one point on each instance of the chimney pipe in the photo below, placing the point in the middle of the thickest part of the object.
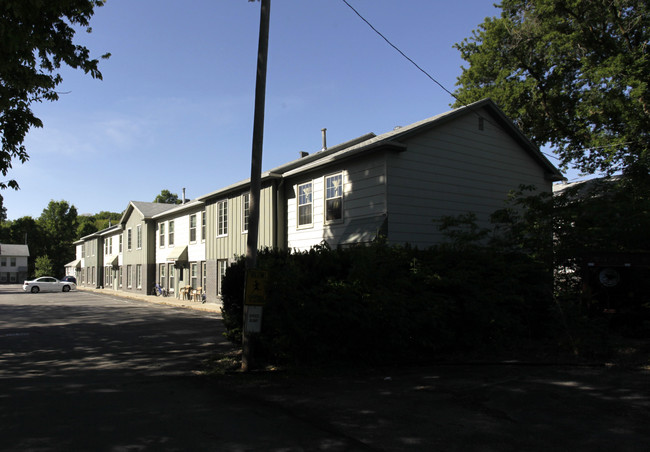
(183, 195)
(324, 131)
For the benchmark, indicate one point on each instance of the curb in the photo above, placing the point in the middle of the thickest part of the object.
(167, 301)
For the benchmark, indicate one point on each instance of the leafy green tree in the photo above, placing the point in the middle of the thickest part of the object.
(37, 38)
(43, 267)
(573, 74)
(85, 226)
(3, 210)
(58, 222)
(167, 197)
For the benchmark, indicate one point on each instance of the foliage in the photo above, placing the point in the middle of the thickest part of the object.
(3, 210)
(384, 303)
(167, 197)
(43, 267)
(572, 74)
(37, 38)
(58, 223)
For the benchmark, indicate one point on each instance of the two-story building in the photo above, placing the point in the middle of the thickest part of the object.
(13, 263)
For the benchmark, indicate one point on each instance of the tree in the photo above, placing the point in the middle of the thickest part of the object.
(43, 267)
(573, 74)
(167, 197)
(58, 222)
(3, 210)
(37, 38)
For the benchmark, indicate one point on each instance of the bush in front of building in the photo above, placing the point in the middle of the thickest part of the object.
(379, 303)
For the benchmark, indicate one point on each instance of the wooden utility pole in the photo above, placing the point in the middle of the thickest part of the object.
(248, 342)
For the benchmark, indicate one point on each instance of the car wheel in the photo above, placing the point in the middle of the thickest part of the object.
(35, 289)
(66, 288)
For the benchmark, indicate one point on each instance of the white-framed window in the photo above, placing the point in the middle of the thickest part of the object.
(129, 239)
(138, 276)
(163, 275)
(120, 274)
(305, 204)
(204, 275)
(203, 226)
(222, 265)
(222, 218)
(170, 233)
(194, 275)
(193, 228)
(12, 261)
(171, 278)
(334, 198)
(245, 211)
(138, 236)
(106, 246)
(3, 261)
(121, 241)
(129, 276)
(110, 245)
(161, 233)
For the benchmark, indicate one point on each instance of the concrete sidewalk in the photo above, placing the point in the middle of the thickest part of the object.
(169, 301)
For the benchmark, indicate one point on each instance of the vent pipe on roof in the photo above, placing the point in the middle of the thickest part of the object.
(183, 200)
(324, 131)
(303, 154)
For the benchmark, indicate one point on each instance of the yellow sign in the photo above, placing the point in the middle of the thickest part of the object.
(255, 293)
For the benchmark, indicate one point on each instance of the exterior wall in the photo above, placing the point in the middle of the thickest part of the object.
(143, 256)
(225, 247)
(110, 250)
(195, 249)
(16, 273)
(364, 204)
(92, 263)
(454, 169)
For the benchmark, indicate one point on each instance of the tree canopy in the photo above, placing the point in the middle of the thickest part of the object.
(167, 197)
(573, 74)
(37, 38)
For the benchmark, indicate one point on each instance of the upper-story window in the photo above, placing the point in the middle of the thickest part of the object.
(245, 211)
(138, 233)
(305, 201)
(334, 198)
(222, 218)
(203, 226)
(193, 228)
(170, 233)
(12, 261)
(120, 245)
(129, 239)
(161, 234)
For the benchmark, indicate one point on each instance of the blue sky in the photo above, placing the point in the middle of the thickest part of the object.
(175, 108)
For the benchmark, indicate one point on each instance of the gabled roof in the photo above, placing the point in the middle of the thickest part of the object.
(146, 209)
(14, 250)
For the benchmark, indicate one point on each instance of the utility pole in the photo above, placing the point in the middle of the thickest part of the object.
(248, 339)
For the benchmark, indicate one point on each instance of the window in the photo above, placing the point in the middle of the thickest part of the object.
(222, 218)
(83, 249)
(129, 276)
(128, 239)
(222, 265)
(203, 226)
(138, 276)
(121, 239)
(3, 262)
(171, 278)
(204, 276)
(161, 233)
(305, 204)
(193, 228)
(334, 198)
(245, 211)
(110, 245)
(194, 274)
(121, 274)
(163, 277)
(138, 235)
(105, 246)
(13, 261)
(170, 234)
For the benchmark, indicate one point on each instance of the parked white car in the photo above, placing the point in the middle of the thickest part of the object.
(48, 284)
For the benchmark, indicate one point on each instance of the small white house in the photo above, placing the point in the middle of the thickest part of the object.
(13, 263)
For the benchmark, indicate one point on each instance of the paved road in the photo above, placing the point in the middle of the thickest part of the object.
(88, 372)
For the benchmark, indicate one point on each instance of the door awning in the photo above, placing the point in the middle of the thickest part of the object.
(113, 261)
(179, 253)
(74, 264)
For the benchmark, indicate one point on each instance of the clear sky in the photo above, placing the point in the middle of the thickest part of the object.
(175, 107)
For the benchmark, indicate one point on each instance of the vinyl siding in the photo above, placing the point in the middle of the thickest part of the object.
(364, 197)
(454, 169)
(234, 243)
